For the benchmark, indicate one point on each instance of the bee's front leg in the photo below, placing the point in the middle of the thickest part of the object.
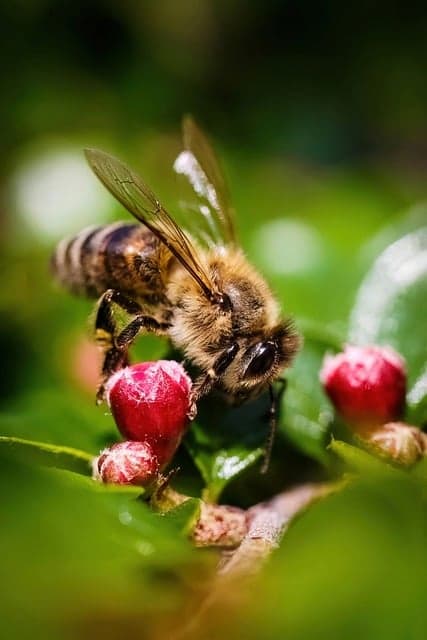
(204, 383)
(117, 343)
(275, 400)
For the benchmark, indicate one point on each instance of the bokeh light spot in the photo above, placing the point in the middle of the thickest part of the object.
(287, 247)
(56, 193)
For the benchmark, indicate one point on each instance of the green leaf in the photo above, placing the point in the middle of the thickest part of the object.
(419, 470)
(48, 455)
(362, 549)
(417, 401)
(225, 441)
(219, 467)
(358, 459)
(184, 516)
(306, 417)
(56, 414)
(76, 552)
(391, 308)
(77, 480)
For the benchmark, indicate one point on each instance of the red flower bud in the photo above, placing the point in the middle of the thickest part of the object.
(366, 385)
(127, 463)
(150, 402)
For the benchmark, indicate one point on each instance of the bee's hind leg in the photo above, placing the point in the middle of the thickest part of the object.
(115, 342)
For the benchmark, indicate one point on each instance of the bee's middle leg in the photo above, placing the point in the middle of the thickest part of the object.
(116, 343)
(105, 326)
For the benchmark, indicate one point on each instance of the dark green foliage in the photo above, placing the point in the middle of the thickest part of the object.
(288, 90)
(79, 554)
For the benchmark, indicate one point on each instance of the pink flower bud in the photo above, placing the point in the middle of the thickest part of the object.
(366, 385)
(127, 463)
(150, 402)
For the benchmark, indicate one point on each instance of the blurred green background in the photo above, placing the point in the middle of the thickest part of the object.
(318, 113)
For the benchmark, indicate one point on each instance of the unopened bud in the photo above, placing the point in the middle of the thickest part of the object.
(127, 463)
(366, 385)
(150, 402)
(398, 442)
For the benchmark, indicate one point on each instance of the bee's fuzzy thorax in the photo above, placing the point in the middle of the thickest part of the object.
(200, 328)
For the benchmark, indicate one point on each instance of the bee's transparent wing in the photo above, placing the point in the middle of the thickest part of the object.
(210, 218)
(131, 191)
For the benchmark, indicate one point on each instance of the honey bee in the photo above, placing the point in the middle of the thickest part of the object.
(192, 284)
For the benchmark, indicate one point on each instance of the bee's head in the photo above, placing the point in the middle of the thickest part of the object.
(259, 361)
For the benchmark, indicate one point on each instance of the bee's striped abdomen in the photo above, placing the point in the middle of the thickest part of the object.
(116, 256)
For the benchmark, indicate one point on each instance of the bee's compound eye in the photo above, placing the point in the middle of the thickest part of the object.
(262, 358)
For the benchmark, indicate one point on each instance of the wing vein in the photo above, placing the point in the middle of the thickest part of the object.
(139, 200)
